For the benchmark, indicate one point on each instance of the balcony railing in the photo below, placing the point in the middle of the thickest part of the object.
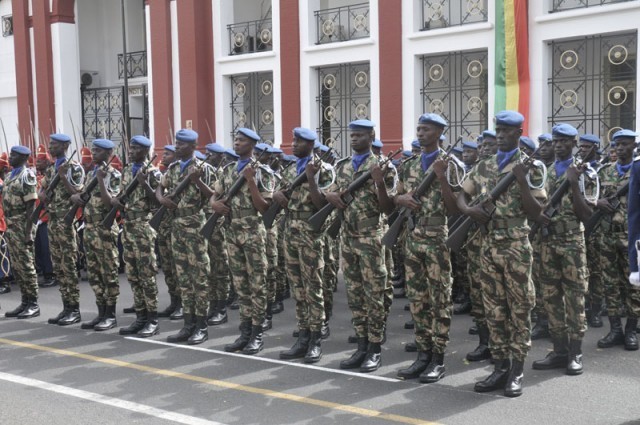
(342, 23)
(562, 5)
(250, 37)
(136, 64)
(449, 13)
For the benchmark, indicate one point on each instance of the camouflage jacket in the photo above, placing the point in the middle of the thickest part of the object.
(139, 202)
(112, 181)
(191, 201)
(60, 202)
(610, 182)
(564, 213)
(18, 190)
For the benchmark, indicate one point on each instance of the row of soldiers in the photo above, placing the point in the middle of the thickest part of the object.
(501, 195)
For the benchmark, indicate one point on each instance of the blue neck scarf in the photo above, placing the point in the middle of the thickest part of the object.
(504, 158)
(59, 162)
(358, 160)
(16, 171)
(301, 164)
(242, 163)
(622, 169)
(427, 159)
(136, 167)
(561, 166)
(183, 165)
(95, 169)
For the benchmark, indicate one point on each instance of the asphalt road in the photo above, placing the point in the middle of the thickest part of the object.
(55, 375)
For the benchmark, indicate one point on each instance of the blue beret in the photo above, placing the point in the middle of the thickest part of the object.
(361, 125)
(457, 149)
(305, 134)
(545, 137)
(59, 137)
(489, 133)
(272, 149)
(170, 148)
(407, 154)
(563, 129)
(324, 148)
(104, 143)
(591, 138)
(232, 153)
(470, 145)
(249, 133)
(200, 155)
(289, 158)
(432, 119)
(186, 135)
(415, 144)
(215, 148)
(317, 144)
(396, 162)
(262, 147)
(529, 142)
(22, 150)
(510, 118)
(377, 144)
(624, 133)
(141, 140)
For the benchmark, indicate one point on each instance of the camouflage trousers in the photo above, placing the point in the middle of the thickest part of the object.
(622, 297)
(474, 269)
(330, 273)
(536, 273)
(22, 257)
(168, 264)
(64, 248)
(272, 263)
(102, 261)
(138, 240)
(219, 278)
(304, 264)
(595, 292)
(281, 275)
(428, 275)
(365, 275)
(191, 260)
(461, 283)
(508, 296)
(564, 281)
(248, 264)
(388, 290)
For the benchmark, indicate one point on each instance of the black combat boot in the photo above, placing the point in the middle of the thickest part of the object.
(96, 320)
(267, 322)
(498, 378)
(630, 337)
(417, 367)
(558, 358)
(137, 325)
(541, 328)
(178, 312)
(278, 306)
(314, 353)
(435, 371)
(201, 334)
(55, 320)
(615, 335)
(152, 327)
(129, 310)
(352, 339)
(482, 351)
(409, 324)
(220, 315)
(574, 365)
(325, 331)
(411, 347)
(255, 343)
(300, 348)
(213, 307)
(242, 340)
(464, 305)
(31, 310)
(108, 321)
(72, 316)
(170, 308)
(356, 358)
(372, 359)
(515, 380)
(19, 309)
(186, 331)
(595, 317)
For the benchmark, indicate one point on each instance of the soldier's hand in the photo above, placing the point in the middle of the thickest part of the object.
(440, 168)
(141, 177)
(168, 203)
(543, 220)
(249, 173)
(573, 174)
(311, 170)
(101, 173)
(77, 199)
(42, 196)
(195, 174)
(281, 199)
(520, 171)
(478, 214)
(62, 170)
(407, 201)
(605, 205)
(377, 175)
(334, 199)
(220, 206)
(115, 202)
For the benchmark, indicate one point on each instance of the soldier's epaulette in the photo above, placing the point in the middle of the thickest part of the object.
(343, 161)
(173, 164)
(225, 166)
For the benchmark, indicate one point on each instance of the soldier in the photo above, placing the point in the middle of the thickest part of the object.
(427, 260)
(304, 256)
(188, 246)
(100, 243)
(622, 298)
(363, 255)
(5, 266)
(62, 237)
(415, 148)
(246, 238)
(528, 145)
(507, 289)
(564, 272)
(42, 245)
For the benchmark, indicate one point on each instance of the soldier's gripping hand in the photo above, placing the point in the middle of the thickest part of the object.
(195, 174)
(141, 177)
(520, 171)
(311, 170)
(42, 196)
(167, 202)
(101, 173)
(115, 202)
(605, 205)
(77, 199)
(335, 199)
(220, 206)
(543, 220)
(249, 174)
(440, 168)
(281, 199)
(407, 200)
(478, 214)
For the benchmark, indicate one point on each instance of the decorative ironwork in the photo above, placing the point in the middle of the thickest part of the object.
(136, 64)
(252, 103)
(7, 25)
(455, 85)
(102, 114)
(448, 13)
(344, 96)
(342, 23)
(561, 5)
(250, 37)
(593, 83)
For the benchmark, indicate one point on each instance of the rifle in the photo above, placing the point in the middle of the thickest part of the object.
(318, 219)
(85, 195)
(594, 221)
(458, 237)
(270, 215)
(182, 186)
(133, 185)
(35, 215)
(210, 225)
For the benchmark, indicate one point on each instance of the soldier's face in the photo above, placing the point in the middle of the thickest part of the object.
(168, 157)
(138, 153)
(57, 149)
(302, 148)
(428, 134)
(489, 147)
(215, 159)
(243, 145)
(587, 151)
(41, 164)
(507, 137)
(624, 148)
(469, 156)
(361, 140)
(100, 155)
(546, 151)
(526, 149)
(184, 150)
(563, 147)
(17, 160)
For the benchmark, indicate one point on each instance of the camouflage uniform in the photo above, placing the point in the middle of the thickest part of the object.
(330, 273)
(164, 249)
(62, 237)
(507, 289)
(474, 271)
(219, 278)
(272, 264)
(100, 243)
(428, 263)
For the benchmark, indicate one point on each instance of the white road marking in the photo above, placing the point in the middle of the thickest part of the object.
(109, 401)
(267, 360)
